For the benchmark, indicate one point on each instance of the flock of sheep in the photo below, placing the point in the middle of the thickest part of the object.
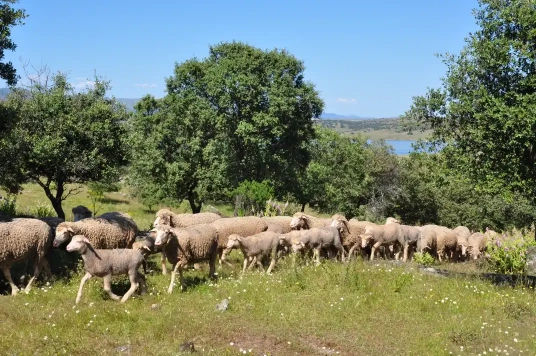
(110, 244)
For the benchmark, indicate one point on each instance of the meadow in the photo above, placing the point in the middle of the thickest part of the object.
(359, 308)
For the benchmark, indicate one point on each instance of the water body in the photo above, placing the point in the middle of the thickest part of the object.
(402, 147)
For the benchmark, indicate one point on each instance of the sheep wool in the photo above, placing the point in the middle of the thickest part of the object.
(167, 217)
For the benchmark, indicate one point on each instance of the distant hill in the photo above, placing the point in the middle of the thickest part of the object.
(3, 93)
(129, 103)
(332, 116)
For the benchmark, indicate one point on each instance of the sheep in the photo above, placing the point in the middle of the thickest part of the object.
(167, 217)
(184, 246)
(350, 232)
(81, 212)
(382, 235)
(147, 247)
(318, 238)
(110, 230)
(477, 244)
(279, 224)
(107, 263)
(410, 235)
(243, 226)
(22, 239)
(301, 221)
(462, 234)
(255, 247)
(440, 240)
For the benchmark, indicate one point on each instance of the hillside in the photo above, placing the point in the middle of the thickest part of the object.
(385, 128)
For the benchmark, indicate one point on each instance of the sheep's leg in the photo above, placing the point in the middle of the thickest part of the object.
(252, 263)
(163, 263)
(133, 276)
(144, 264)
(212, 266)
(406, 250)
(45, 267)
(316, 254)
(7, 274)
(271, 267)
(82, 282)
(373, 250)
(245, 265)
(259, 263)
(181, 277)
(439, 255)
(221, 260)
(37, 271)
(142, 282)
(173, 273)
(108, 287)
(351, 252)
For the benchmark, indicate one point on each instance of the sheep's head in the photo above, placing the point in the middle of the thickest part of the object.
(299, 221)
(391, 220)
(339, 222)
(142, 247)
(63, 234)
(233, 241)
(163, 235)
(78, 244)
(463, 248)
(365, 240)
(297, 246)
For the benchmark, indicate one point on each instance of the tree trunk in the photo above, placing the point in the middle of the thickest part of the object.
(303, 207)
(55, 200)
(191, 199)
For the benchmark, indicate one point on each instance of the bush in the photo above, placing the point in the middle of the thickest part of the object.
(251, 197)
(42, 210)
(423, 258)
(508, 254)
(8, 206)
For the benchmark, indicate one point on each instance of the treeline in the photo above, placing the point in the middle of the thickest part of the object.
(392, 124)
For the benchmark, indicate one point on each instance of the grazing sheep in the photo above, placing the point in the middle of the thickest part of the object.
(81, 212)
(391, 220)
(439, 240)
(350, 232)
(477, 244)
(462, 234)
(410, 235)
(318, 238)
(110, 230)
(255, 247)
(108, 263)
(301, 221)
(167, 217)
(279, 224)
(22, 239)
(184, 246)
(381, 235)
(243, 226)
(147, 247)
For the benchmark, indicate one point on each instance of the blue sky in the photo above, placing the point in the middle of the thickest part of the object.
(365, 57)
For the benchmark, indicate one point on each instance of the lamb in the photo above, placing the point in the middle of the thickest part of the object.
(301, 221)
(110, 230)
(108, 263)
(279, 224)
(22, 239)
(382, 235)
(350, 232)
(243, 226)
(147, 247)
(81, 212)
(255, 247)
(477, 244)
(462, 234)
(167, 217)
(184, 246)
(318, 238)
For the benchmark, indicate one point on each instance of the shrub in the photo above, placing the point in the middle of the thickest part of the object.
(508, 254)
(251, 197)
(423, 258)
(43, 210)
(8, 206)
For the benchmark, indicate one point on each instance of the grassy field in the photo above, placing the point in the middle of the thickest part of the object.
(361, 308)
(374, 129)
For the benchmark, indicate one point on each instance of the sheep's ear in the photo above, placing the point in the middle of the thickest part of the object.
(85, 239)
(146, 248)
(70, 229)
(153, 229)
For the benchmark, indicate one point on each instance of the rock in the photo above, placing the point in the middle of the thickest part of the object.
(187, 347)
(224, 304)
(531, 261)
(155, 306)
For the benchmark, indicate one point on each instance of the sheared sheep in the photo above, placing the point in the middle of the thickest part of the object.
(243, 226)
(462, 234)
(167, 217)
(81, 212)
(183, 246)
(279, 224)
(477, 244)
(439, 240)
(110, 230)
(147, 247)
(382, 235)
(22, 239)
(411, 236)
(318, 238)
(255, 247)
(301, 221)
(108, 263)
(350, 232)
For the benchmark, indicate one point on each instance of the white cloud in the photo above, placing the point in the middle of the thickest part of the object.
(84, 83)
(146, 85)
(346, 100)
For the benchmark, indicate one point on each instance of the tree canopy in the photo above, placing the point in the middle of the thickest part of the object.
(240, 114)
(59, 136)
(9, 17)
(485, 112)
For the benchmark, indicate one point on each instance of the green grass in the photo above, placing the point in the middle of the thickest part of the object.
(362, 308)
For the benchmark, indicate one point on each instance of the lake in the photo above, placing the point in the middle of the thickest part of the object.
(402, 147)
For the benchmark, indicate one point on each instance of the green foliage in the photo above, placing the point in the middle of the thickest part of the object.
(57, 135)
(485, 110)
(9, 17)
(250, 197)
(8, 206)
(240, 114)
(95, 192)
(424, 259)
(42, 210)
(508, 254)
(273, 208)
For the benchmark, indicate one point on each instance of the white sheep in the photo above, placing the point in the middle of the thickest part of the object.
(350, 232)
(108, 263)
(462, 234)
(22, 239)
(255, 247)
(183, 246)
(167, 217)
(110, 230)
(318, 238)
(279, 224)
(302, 221)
